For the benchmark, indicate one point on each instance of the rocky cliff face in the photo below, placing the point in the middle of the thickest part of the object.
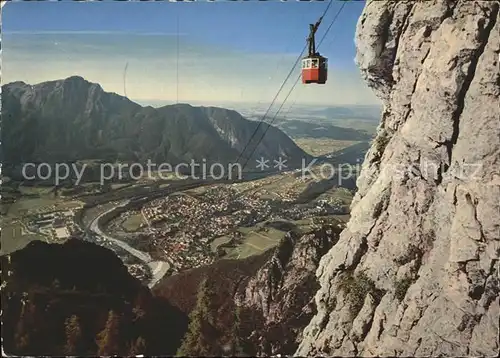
(281, 295)
(261, 303)
(415, 273)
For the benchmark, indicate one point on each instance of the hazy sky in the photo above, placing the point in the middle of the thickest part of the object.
(222, 51)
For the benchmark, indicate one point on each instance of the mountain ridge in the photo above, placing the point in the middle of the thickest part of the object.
(46, 286)
(74, 119)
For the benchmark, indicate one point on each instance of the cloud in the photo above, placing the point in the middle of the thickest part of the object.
(205, 72)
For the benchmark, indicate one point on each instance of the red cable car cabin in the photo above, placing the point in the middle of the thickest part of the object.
(314, 69)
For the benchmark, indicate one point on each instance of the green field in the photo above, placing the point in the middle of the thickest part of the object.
(195, 192)
(272, 187)
(343, 218)
(157, 175)
(321, 146)
(255, 242)
(367, 125)
(14, 238)
(119, 186)
(302, 226)
(92, 213)
(133, 222)
(26, 206)
(30, 190)
(341, 195)
(219, 241)
(37, 200)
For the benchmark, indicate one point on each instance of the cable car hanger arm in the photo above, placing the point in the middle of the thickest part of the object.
(311, 39)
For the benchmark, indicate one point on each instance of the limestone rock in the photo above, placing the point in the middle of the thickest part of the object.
(281, 292)
(423, 243)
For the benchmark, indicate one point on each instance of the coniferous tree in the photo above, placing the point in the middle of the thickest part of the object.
(196, 342)
(108, 340)
(21, 336)
(138, 347)
(73, 336)
(235, 333)
(139, 309)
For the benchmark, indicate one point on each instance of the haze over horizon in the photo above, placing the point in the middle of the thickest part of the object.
(179, 53)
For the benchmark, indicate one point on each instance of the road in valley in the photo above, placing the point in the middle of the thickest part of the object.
(158, 268)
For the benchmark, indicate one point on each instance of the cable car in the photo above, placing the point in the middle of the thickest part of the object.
(314, 66)
(314, 69)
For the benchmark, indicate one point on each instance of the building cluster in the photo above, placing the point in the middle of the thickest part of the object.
(139, 271)
(116, 225)
(56, 225)
(183, 226)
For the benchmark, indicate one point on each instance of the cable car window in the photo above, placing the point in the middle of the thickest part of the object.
(315, 63)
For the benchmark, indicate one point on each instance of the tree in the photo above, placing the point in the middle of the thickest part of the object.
(138, 347)
(26, 317)
(196, 341)
(73, 336)
(138, 312)
(140, 305)
(108, 340)
(21, 337)
(237, 350)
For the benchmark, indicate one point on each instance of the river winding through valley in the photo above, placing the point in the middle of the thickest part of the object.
(158, 268)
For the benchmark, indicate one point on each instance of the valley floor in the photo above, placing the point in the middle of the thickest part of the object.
(181, 231)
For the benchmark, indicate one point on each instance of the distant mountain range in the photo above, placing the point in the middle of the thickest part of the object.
(357, 123)
(365, 112)
(73, 119)
(316, 129)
